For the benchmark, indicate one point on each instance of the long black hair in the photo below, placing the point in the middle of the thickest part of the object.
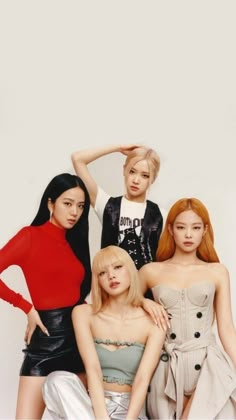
(78, 236)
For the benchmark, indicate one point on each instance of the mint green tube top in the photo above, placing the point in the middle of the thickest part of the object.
(119, 365)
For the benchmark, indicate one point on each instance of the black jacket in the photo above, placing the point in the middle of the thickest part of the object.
(149, 235)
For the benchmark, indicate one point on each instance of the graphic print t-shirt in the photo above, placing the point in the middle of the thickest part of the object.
(131, 213)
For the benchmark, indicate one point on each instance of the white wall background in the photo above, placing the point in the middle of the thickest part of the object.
(78, 73)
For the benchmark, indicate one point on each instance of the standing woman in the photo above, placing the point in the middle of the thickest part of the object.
(118, 342)
(130, 221)
(195, 377)
(53, 254)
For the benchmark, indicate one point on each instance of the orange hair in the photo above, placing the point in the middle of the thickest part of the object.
(206, 251)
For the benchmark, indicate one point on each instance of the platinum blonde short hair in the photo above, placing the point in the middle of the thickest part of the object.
(144, 153)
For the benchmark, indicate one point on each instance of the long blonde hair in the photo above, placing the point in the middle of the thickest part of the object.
(206, 251)
(144, 153)
(105, 257)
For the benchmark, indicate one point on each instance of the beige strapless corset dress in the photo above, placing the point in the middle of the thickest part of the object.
(192, 361)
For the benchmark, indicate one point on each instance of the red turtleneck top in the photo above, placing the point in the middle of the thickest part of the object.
(53, 273)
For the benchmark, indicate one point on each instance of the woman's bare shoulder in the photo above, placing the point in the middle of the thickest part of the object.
(219, 268)
(151, 268)
(84, 310)
(220, 275)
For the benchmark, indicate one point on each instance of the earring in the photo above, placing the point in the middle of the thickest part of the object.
(50, 217)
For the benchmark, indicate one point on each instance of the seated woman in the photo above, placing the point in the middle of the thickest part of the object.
(119, 343)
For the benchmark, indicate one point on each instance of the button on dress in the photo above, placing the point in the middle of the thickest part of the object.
(196, 363)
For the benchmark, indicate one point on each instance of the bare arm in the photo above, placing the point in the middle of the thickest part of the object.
(226, 328)
(145, 371)
(82, 158)
(81, 321)
(148, 275)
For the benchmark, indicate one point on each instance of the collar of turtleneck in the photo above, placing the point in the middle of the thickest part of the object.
(57, 232)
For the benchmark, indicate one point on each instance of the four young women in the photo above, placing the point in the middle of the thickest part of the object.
(195, 377)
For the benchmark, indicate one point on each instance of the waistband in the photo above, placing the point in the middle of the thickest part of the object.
(50, 312)
(55, 318)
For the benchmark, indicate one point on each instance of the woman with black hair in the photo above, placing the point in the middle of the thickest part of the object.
(53, 253)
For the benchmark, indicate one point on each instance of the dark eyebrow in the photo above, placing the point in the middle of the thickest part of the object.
(71, 200)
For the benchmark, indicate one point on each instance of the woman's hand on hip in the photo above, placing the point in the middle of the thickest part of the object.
(33, 321)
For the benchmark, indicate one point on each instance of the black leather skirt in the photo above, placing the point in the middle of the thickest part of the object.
(58, 351)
